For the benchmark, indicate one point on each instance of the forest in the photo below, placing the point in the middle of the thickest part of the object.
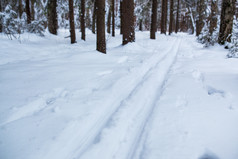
(118, 79)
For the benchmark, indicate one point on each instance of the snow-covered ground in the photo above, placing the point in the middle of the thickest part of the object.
(168, 98)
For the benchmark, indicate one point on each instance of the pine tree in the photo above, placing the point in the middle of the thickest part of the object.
(52, 16)
(113, 17)
(164, 16)
(71, 22)
(154, 19)
(32, 10)
(82, 19)
(201, 9)
(101, 39)
(171, 19)
(28, 12)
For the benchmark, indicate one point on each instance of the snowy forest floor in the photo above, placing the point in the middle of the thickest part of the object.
(168, 98)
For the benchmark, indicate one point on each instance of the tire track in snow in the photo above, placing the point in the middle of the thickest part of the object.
(84, 140)
(125, 145)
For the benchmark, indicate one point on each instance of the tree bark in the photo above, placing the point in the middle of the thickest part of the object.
(32, 10)
(177, 17)
(52, 16)
(113, 18)
(94, 18)
(71, 22)
(171, 19)
(20, 8)
(154, 19)
(140, 25)
(128, 21)
(109, 16)
(82, 19)
(213, 17)
(101, 39)
(200, 19)
(227, 13)
(28, 12)
(164, 16)
(121, 17)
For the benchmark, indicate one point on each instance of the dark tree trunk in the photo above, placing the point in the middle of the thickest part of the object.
(0, 19)
(28, 12)
(128, 21)
(164, 16)
(153, 28)
(121, 17)
(213, 17)
(113, 18)
(201, 16)
(227, 13)
(71, 21)
(171, 16)
(32, 10)
(52, 17)
(177, 17)
(140, 25)
(101, 39)
(94, 18)
(109, 16)
(82, 19)
(20, 8)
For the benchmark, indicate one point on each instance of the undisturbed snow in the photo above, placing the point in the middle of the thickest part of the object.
(168, 98)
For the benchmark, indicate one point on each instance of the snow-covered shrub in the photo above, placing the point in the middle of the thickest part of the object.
(36, 27)
(233, 46)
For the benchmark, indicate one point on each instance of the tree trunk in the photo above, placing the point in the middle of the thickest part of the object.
(154, 19)
(140, 25)
(101, 39)
(28, 12)
(113, 18)
(71, 21)
(109, 16)
(52, 16)
(1, 22)
(164, 16)
(94, 18)
(121, 17)
(227, 13)
(177, 17)
(82, 19)
(128, 21)
(213, 17)
(20, 8)
(200, 19)
(171, 19)
(32, 10)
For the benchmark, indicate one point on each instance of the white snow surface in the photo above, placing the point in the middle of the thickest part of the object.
(168, 98)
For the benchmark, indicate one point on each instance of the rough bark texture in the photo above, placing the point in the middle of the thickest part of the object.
(71, 21)
(164, 16)
(32, 10)
(213, 16)
(201, 8)
(101, 39)
(52, 16)
(28, 12)
(171, 16)
(82, 19)
(109, 16)
(113, 18)
(94, 18)
(128, 21)
(227, 13)
(153, 28)
(177, 17)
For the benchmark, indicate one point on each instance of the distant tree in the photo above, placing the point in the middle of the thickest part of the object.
(1, 18)
(213, 16)
(128, 21)
(101, 39)
(164, 16)
(32, 10)
(201, 9)
(113, 17)
(20, 8)
(109, 17)
(171, 19)
(177, 16)
(71, 21)
(121, 17)
(154, 19)
(82, 19)
(28, 12)
(227, 14)
(52, 16)
(94, 18)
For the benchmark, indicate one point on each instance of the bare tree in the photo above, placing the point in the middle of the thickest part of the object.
(71, 21)
(154, 19)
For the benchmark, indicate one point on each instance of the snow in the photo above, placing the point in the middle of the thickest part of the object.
(168, 98)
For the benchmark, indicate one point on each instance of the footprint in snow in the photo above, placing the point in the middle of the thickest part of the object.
(214, 91)
(208, 155)
(104, 72)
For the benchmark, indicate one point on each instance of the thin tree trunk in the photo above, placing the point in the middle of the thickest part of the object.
(171, 20)
(140, 25)
(71, 22)
(94, 18)
(113, 18)
(82, 19)
(32, 10)
(101, 39)
(154, 19)
(128, 21)
(177, 17)
(164, 17)
(227, 14)
(121, 17)
(28, 12)
(109, 21)
(52, 16)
